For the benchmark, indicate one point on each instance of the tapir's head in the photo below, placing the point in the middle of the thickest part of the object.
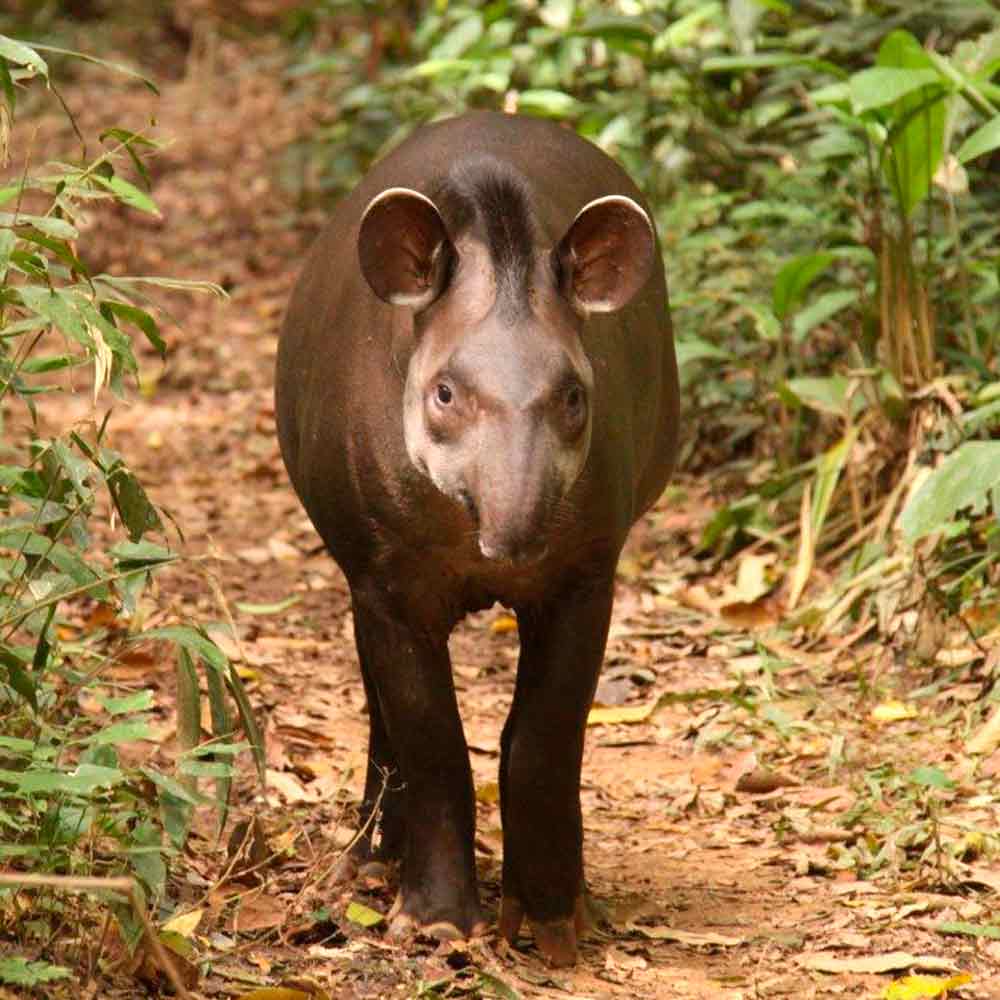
(497, 406)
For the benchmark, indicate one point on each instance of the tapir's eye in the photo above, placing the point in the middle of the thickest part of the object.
(443, 394)
(574, 408)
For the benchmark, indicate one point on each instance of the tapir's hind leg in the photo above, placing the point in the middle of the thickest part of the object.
(562, 646)
(429, 818)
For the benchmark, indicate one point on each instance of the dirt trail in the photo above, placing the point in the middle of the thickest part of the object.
(711, 892)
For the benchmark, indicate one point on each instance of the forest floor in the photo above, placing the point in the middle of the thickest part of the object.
(735, 783)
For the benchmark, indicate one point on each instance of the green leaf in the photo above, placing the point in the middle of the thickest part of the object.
(7, 243)
(138, 702)
(133, 505)
(794, 279)
(459, 39)
(883, 85)
(84, 779)
(931, 777)
(547, 103)
(963, 478)
(268, 609)
(139, 318)
(117, 67)
(58, 228)
(825, 395)
(18, 676)
(222, 729)
(188, 706)
(248, 720)
(491, 986)
(146, 856)
(60, 248)
(129, 554)
(916, 136)
(823, 308)
(828, 470)
(363, 915)
(694, 348)
(120, 732)
(128, 194)
(616, 29)
(193, 640)
(174, 788)
(20, 972)
(23, 55)
(970, 930)
(985, 139)
(129, 140)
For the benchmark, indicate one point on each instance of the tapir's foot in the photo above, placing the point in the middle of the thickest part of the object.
(555, 939)
(408, 918)
(349, 868)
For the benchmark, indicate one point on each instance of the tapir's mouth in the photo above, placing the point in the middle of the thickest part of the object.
(514, 554)
(511, 547)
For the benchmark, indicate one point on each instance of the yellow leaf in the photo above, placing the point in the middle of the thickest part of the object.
(503, 624)
(184, 923)
(488, 793)
(358, 913)
(620, 714)
(893, 711)
(921, 987)
(807, 551)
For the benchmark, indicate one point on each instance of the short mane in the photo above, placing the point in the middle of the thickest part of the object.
(487, 191)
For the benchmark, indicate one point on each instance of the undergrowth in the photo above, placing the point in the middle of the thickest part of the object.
(81, 545)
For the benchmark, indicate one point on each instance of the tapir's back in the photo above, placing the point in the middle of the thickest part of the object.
(344, 352)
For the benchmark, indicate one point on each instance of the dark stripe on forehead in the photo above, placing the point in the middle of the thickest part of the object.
(487, 194)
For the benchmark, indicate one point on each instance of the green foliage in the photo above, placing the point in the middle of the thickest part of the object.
(963, 479)
(824, 181)
(79, 537)
(21, 972)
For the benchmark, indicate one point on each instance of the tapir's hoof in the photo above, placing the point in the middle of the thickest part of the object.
(403, 927)
(556, 939)
(345, 870)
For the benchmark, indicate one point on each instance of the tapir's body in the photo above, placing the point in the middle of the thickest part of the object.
(476, 398)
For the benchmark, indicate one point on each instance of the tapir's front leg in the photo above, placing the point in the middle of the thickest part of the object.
(410, 672)
(562, 645)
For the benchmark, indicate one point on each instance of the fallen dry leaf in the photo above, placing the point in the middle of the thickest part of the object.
(257, 912)
(891, 961)
(684, 937)
(184, 923)
(986, 738)
(761, 780)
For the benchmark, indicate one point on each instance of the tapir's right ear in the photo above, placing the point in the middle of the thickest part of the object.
(403, 248)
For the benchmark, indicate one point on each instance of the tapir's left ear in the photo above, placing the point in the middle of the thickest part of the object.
(606, 255)
(403, 248)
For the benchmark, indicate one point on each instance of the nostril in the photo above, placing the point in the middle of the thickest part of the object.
(469, 504)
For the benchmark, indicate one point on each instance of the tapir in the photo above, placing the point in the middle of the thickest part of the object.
(476, 397)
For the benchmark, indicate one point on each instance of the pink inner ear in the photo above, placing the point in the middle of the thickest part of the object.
(607, 255)
(403, 248)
